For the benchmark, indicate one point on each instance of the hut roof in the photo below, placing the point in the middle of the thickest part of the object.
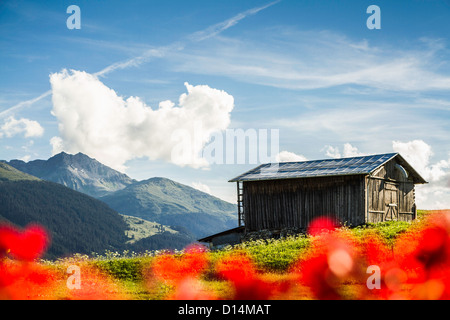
(325, 168)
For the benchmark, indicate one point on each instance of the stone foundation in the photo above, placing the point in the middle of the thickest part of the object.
(271, 234)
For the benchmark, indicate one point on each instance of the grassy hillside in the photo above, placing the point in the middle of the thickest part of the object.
(75, 221)
(139, 229)
(8, 173)
(171, 203)
(146, 235)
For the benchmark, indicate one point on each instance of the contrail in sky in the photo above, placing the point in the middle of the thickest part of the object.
(26, 103)
(198, 36)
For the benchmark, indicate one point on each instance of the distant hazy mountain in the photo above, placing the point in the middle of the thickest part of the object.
(78, 223)
(75, 221)
(78, 172)
(171, 203)
(157, 200)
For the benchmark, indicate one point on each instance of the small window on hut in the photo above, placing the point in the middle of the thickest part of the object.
(402, 171)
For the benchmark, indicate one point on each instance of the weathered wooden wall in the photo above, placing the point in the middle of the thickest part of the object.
(294, 203)
(387, 194)
(389, 186)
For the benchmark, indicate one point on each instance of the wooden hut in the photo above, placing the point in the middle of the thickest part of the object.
(357, 190)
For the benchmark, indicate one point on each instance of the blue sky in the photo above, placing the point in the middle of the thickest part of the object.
(310, 69)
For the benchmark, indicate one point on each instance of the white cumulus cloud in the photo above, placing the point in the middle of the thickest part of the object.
(29, 128)
(348, 151)
(201, 186)
(435, 194)
(286, 156)
(94, 120)
(418, 154)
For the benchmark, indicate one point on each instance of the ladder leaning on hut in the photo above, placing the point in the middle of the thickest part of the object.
(240, 202)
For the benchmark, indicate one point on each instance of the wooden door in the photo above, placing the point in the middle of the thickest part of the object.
(391, 202)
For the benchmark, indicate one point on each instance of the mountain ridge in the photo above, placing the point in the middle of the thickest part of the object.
(77, 222)
(156, 199)
(171, 203)
(78, 172)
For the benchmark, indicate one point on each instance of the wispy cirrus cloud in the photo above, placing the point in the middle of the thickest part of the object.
(198, 36)
(214, 30)
(304, 60)
(370, 120)
(158, 52)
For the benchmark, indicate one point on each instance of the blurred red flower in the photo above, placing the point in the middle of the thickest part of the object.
(96, 285)
(321, 224)
(248, 285)
(191, 289)
(26, 281)
(173, 269)
(22, 278)
(27, 244)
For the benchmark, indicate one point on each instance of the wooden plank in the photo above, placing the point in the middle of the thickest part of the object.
(295, 202)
